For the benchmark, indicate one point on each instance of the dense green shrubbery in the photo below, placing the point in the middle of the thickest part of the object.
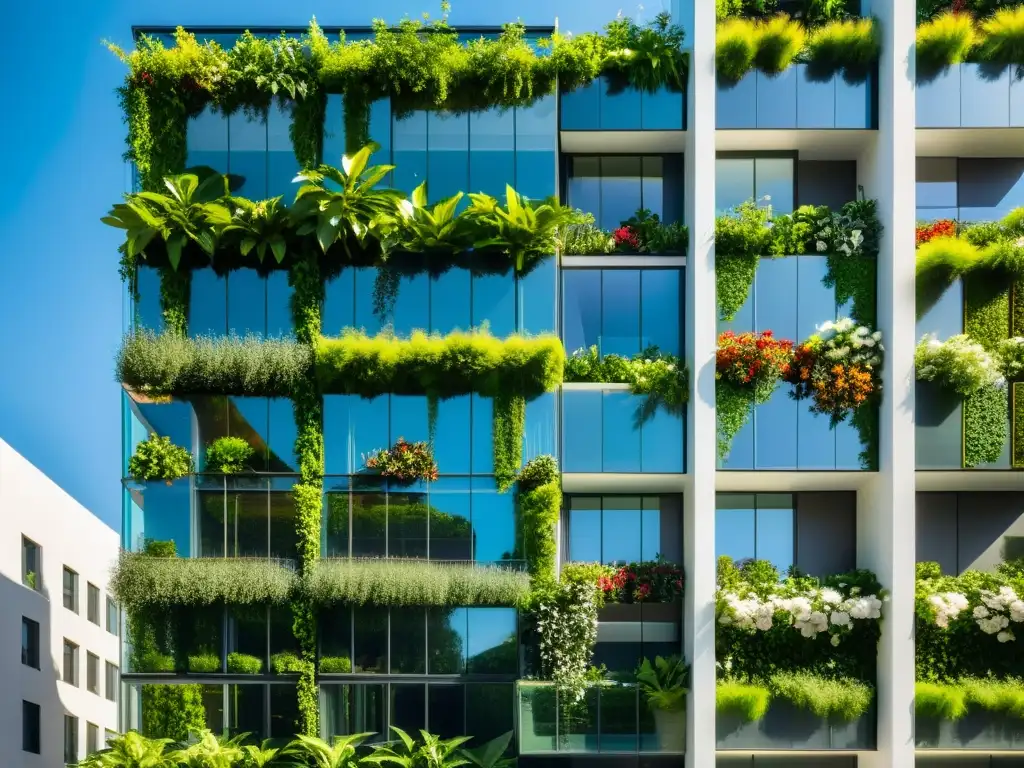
(167, 363)
(540, 499)
(244, 664)
(663, 378)
(415, 582)
(952, 700)
(826, 697)
(157, 458)
(204, 663)
(228, 455)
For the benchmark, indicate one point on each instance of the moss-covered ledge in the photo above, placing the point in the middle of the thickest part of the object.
(389, 582)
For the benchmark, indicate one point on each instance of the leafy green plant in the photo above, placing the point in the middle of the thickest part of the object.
(491, 754)
(646, 57)
(259, 756)
(321, 754)
(662, 377)
(140, 580)
(249, 225)
(748, 700)
(244, 664)
(404, 462)
(229, 455)
(540, 499)
(157, 458)
(285, 663)
(849, 46)
(204, 662)
(944, 40)
(436, 227)
(432, 752)
(944, 701)
(181, 216)
(133, 750)
(397, 582)
(167, 363)
(540, 470)
(527, 231)
(664, 683)
(740, 240)
(580, 236)
(779, 41)
(341, 204)
(508, 423)
(839, 698)
(211, 751)
(1003, 36)
(335, 665)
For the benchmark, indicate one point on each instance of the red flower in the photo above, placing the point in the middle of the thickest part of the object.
(642, 591)
(941, 228)
(605, 584)
(624, 236)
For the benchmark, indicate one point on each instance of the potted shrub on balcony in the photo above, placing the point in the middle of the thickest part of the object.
(403, 463)
(664, 683)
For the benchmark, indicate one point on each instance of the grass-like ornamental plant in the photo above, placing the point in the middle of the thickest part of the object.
(140, 581)
(1002, 39)
(944, 40)
(834, 698)
(415, 582)
(169, 364)
(952, 700)
(945, 701)
(663, 378)
(404, 462)
(779, 40)
(849, 46)
(735, 49)
(748, 700)
(228, 455)
(244, 664)
(285, 663)
(157, 458)
(958, 363)
(664, 683)
(443, 366)
(204, 663)
(335, 665)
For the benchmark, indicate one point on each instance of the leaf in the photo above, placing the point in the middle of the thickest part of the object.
(278, 246)
(354, 165)
(247, 245)
(419, 195)
(174, 245)
(326, 234)
(487, 755)
(405, 737)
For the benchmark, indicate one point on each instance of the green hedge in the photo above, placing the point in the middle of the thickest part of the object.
(826, 697)
(415, 582)
(951, 701)
(442, 366)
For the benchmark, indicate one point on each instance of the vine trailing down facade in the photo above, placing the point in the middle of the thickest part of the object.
(60, 698)
(500, 381)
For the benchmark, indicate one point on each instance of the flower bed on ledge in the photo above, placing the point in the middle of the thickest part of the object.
(142, 581)
(642, 233)
(662, 377)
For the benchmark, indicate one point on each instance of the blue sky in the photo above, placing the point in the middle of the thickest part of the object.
(61, 304)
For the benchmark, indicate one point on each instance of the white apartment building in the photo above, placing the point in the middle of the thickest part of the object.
(59, 628)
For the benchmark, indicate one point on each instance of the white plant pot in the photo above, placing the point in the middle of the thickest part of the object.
(671, 728)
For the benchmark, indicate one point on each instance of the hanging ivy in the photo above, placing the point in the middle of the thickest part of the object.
(509, 424)
(175, 299)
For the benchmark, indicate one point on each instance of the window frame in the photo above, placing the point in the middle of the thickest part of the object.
(673, 171)
(794, 524)
(70, 729)
(31, 742)
(31, 651)
(110, 672)
(92, 738)
(92, 672)
(768, 154)
(602, 498)
(73, 596)
(28, 545)
(92, 608)
(113, 613)
(70, 651)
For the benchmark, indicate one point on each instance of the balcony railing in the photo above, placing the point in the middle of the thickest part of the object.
(971, 96)
(595, 108)
(611, 718)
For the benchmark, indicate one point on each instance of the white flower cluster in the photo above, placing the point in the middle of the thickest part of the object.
(959, 363)
(811, 612)
(1011, 357)
(845, 341)
(838, 234)
(567, 626)
(993, 612)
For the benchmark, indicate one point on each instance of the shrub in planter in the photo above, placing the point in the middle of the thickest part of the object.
(204, 662)
(959, 364)
(244, 664)
(837, 368)
(665, 685)
(1002, 39)
(850, 46)
(285, 663)
(735, 48)
(336, 665)
(662, 377)
(404, 462)
(748, 700)
(828, 698)
(157, 458)
(944, 40)
(1010, 353)
(653, 581)
(228, 455)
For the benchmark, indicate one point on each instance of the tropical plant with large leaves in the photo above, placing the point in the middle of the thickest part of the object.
(437, 227)
(491, 754)
(336, 203)
(253, 224)
(210, 751)
(133, 750)
(180, 216)
(318, 753)
(259, 757)
(432, 752)
(524, 229)
(664, 683)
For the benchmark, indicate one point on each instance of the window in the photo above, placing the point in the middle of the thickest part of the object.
(92, 673)
(70, 589)
(29, 642)
(107, 736)
(92, 738)
(756, 525)
(70, 662)
(70, 739)
(738, 179)
(113, 624)
(31, 567)
(93, 607)
(30, 737)
(612, 188)
(623, 529)
(111, 681)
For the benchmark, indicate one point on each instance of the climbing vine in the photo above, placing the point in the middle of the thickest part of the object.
(509, 424)
(175, 297)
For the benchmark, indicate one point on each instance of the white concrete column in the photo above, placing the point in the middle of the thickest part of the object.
(885, 508)
(698, 16)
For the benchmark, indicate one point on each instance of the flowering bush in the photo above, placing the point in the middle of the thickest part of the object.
(753, 360)
(958, 363)
(566, 624)
(837, 368)
(663, 377)
(652, 581)
(626, 239)
(404, 462)
(1011, 358)
(991, 604)
(940, 228)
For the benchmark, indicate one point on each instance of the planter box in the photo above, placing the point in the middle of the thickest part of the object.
(971, 96)
(793, 100)
(593, 108)
(788, 727)
(660, 612)
(979, 729)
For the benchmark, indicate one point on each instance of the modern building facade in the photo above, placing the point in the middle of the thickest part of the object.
(61, 691)
(901, 484)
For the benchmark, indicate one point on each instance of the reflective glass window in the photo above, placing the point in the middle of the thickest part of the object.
(211, 513)
(161, 512)
(451, 529)
(740, 179)
(281, 444)
(482, 449)
(936, 184)
(661, 309)
(335, 625)
(621, 189)
(581, 308)
(409, 156)
(282, 635)
(582, 431)
(493, 647)
(339, 303)
(207, 140)
(447, 708)
(247, 709)
(353, 428)
(247, 143)
(759, 526)
(452, 444)
(620, 529)
(734, 182)
(537, 298)
(447, 154)
(620, 309)
(356, 708)
(283, 538)
(336, 524)
(147, 308)
(489, 710)
(774, 530)
(492, 161)
(409, 706)
(247, 303)
(371, 640)
(407, 525)
(208, 304)
(247, 518)
(366, 316)
(621, 439)
(539, 429)
(279, 311)
(248, 419)
(248, 632)
(281, 163)
(409, 418)
(494, 528)
(773, 180)
(284, 711)
(408, 641)
(450, 301)
(412, 305)
(614, 187)
(447, 638)
(494, 303)
(536, 134)
(369, 525)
